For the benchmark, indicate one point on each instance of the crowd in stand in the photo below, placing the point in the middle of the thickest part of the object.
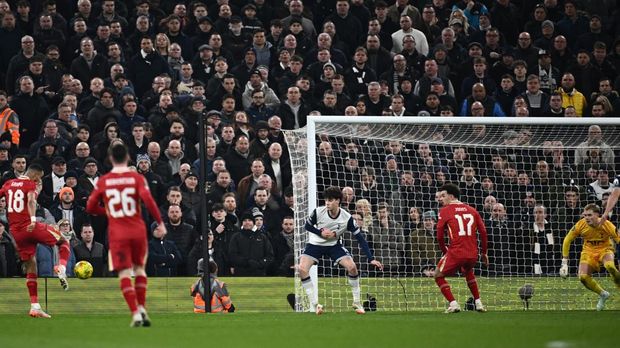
(80, 75)
(528, 183)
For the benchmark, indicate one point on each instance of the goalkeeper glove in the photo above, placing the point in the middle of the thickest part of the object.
(564, 268)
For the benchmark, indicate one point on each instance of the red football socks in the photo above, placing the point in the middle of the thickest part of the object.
(31, 283)
(130, 294)
(472, 284)
(64, 252)
(141, 290)
(445, 288)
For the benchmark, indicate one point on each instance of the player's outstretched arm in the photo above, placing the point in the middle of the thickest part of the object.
(92, 205)
(361, 241)
(32, 210)
(482, 230)
(568, 240)
(440, 237)
(611, 203)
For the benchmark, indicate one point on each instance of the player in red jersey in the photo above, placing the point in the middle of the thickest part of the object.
(122, 191)
(461, 221)
(21, 200)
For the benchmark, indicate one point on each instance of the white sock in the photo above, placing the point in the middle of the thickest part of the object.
(35, 305)
(355, 288)
(478, 302)
(309, 287)
(137, 316)
(141, 309)
(454, 304)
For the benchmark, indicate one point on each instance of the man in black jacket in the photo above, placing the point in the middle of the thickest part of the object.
(89, 64)
(223, 228)
(181, 233)
(91, 251)
(250, 251)
(237, 158)
(293, 110)
(145, 66)
(164, 256)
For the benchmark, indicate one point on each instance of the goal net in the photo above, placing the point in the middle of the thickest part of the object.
(528, 178)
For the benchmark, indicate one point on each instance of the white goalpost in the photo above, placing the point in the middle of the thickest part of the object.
(528, 177)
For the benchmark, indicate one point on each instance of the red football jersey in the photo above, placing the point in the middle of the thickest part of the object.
(122, 194)
(461, 222)
(16, 192)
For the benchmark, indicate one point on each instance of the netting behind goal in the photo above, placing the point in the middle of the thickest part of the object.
(528, 181)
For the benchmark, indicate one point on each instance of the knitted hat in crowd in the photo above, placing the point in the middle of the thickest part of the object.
(257, 213)
(247, 216)
(64, 190)
(143, 157)
(429, 214)
(261, 125)
(547, 23)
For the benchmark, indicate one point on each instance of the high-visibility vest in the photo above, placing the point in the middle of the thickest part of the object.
(220, 300)
(9, 122)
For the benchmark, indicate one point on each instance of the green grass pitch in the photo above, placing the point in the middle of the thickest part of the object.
(93, 314)
(492, 329)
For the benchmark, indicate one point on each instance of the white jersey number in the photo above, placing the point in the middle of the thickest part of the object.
(466, 221)
(16, 201)
(121, 203)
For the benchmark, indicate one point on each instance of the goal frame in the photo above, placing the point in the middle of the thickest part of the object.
(311, 151)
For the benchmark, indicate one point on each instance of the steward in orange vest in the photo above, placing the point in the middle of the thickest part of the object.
(9, 121)
(220, 300)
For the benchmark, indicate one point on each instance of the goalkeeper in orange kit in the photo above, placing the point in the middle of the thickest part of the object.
(598, 248)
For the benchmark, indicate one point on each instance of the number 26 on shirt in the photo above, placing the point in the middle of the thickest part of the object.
(121, 203)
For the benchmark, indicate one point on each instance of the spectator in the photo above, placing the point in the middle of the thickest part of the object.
(250, 252)
(379, 57)
(222, 229)
(574, 24)
(9, 120)
(155, 182)
(158, 164)
(479, 94)
(536, 99)
(90, 250)
(67, 209)
(423, 244)
(146, 65)
(20, 62)
(601, 186)
(164, 256)
(283, 249)
(594, 139)
(256, 83)
(406, 27)
(89, 64)
(571, 96)
(32, 110)
(544, 244)
(220, 300)
(181, 233)
(388, 240)
(502, 234)
(222, 185)
(237, 158)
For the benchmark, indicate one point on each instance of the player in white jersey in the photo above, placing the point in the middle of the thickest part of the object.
(326, 225)
(612, 200)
